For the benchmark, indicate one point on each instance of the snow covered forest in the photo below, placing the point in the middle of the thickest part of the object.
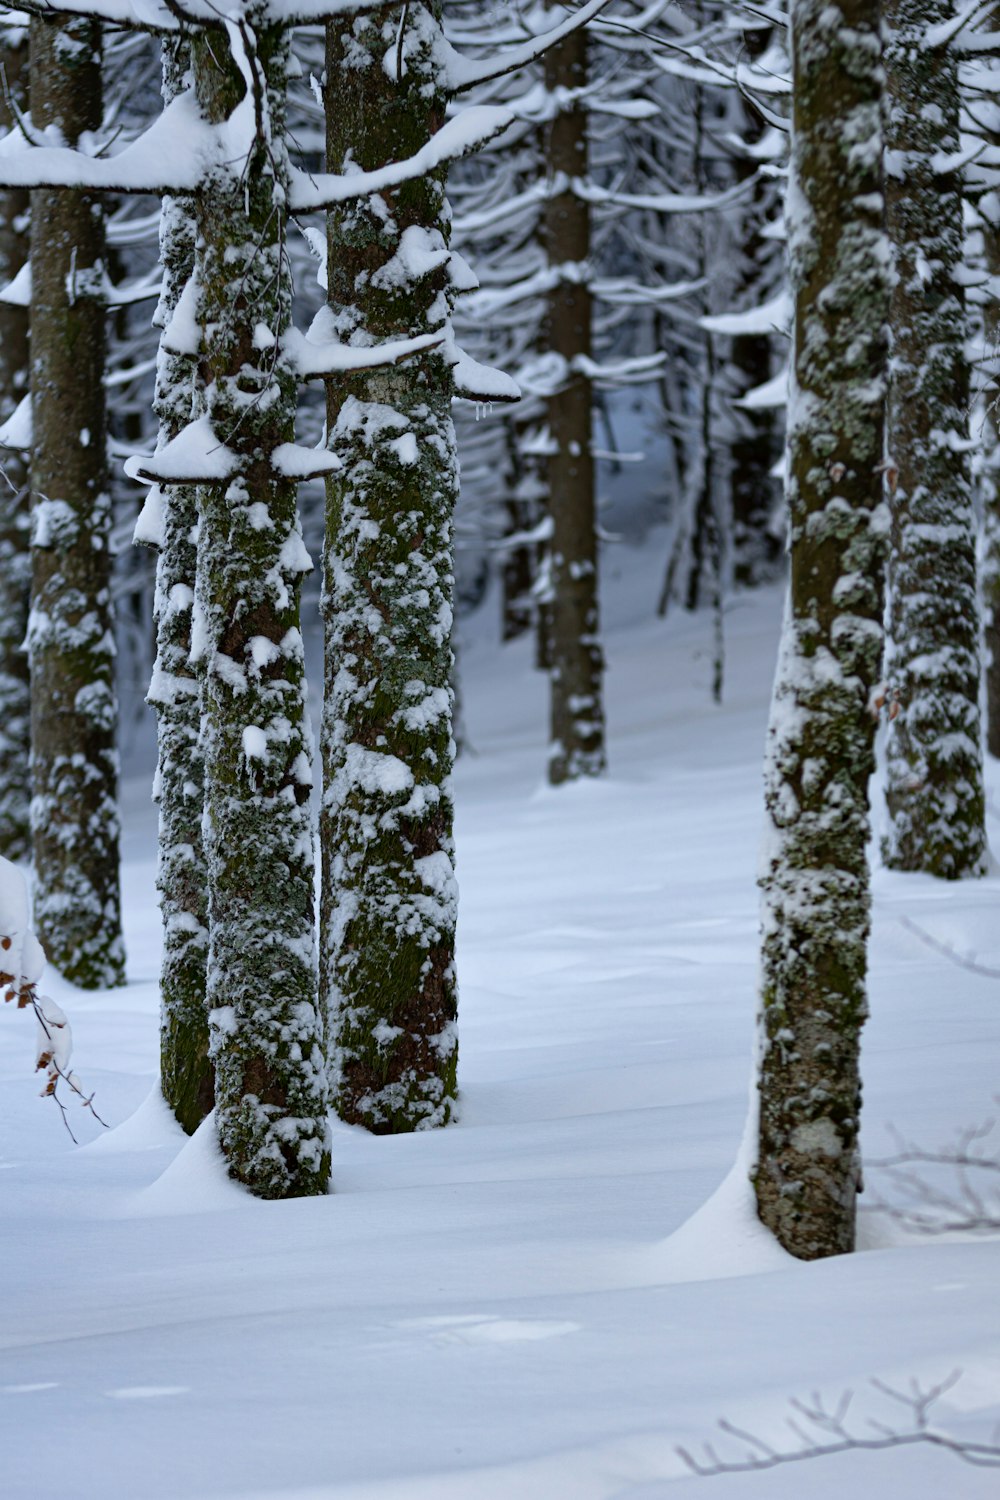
(461, 442)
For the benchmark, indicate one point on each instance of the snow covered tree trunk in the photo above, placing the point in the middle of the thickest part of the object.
(991, 601)
(265, 1027)
(989, 210)
(519, 566)
(15, 556)
(934, 784)
(757, 546)
(815, 913)
(74, 711)
(577, 661)
(186, 1071)
(389, 893)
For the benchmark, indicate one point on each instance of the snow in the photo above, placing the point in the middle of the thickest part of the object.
(544, 1300)
(459, 136)
(195, 454)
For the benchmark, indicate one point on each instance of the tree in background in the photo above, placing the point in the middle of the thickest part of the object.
(821, 737)
(15, 557)
(389, 893)
(389, 886)
(74, 760)
(186, 1070)
(576, 705)
(934, 755)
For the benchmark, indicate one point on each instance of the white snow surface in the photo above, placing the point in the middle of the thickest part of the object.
(542, 1301)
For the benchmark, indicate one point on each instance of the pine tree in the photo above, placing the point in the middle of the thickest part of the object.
(389, 894)
(15, 557)
(989, 214)
(186, 1071)
(577, 662)
(821, 737)
(755, 444)
(71, 629)
(266, 1029)
(934, 755)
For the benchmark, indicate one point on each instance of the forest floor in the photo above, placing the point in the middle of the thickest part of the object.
(528, 1305)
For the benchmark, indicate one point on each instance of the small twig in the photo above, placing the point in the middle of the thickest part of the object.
(404, 17)
(762, 1455)
(50, 1063)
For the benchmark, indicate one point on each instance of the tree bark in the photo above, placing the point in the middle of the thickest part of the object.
(74, 711)
(758, 550)
(15, 554)
(934, 785)
(186, 1072)
(577, 666)
(815, 917)
(265, 1027)
(989, 211)
(389, 893)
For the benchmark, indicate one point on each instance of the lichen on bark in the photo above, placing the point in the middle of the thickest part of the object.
(815, 909)
(74, 712)
(934, 780)
(186, 1072)
(265, 1025)
(389, 893)
(15, 555)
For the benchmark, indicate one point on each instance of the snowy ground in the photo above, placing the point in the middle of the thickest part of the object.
(511, 1309)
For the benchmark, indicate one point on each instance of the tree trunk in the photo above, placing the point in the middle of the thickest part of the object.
(758, 551)
(934, 755)
(577, 705)
(266, 1031)
(525, 494)
(389, 894)
(989, 211)
(186, 1072)
(821, 740)
(15, 554)
(74, 711)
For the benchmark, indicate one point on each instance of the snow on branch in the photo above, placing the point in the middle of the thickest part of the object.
(465, 73)
(22, 962)
(458, 137)
(318, 358)
(172, 156)
(165, 16)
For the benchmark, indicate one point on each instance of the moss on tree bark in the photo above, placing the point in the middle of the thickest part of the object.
(821, 738)
(74, 712)
(265, 1026)
(186, 1071)
(15, 555)
(934, 782)
(389, 894)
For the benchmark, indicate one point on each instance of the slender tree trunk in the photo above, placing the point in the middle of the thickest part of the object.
(519, 567)
(577, 703)
(989, 210)
(266, 1030)
(820, 745)
(15, 555)
(186, 1071)
(934, 773)
(389, 894)
(757, 549)
(74, 711)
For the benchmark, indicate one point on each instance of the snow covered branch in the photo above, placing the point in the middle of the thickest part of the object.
(22, 963)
